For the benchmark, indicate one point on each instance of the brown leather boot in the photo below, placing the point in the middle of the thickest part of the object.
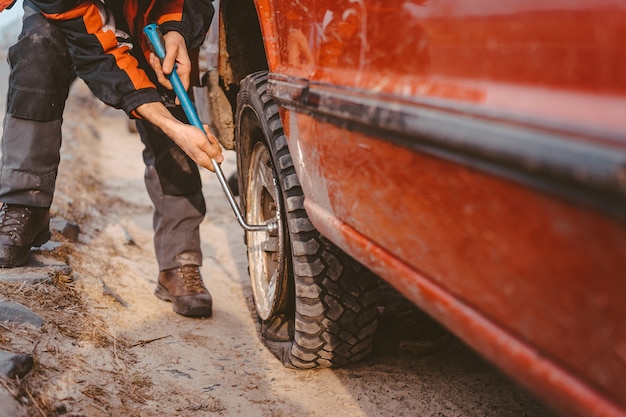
(20, 228)
(183, 286)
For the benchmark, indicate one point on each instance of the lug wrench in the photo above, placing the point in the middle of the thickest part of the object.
(156, 45)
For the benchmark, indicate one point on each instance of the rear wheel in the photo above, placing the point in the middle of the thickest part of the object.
(316, 305)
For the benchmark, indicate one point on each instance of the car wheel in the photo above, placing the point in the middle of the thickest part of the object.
(316, 305)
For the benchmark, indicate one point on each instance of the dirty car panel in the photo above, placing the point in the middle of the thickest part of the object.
(473, 154)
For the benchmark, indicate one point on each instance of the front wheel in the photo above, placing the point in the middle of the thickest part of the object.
(316, 305)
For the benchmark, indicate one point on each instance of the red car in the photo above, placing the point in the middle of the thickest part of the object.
(470, 153)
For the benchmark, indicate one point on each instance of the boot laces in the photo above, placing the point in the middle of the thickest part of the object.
(190, 279)
(13, 220)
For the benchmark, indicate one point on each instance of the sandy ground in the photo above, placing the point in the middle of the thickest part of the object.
(110, 348)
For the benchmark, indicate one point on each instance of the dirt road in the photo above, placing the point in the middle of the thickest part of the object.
(110, 348)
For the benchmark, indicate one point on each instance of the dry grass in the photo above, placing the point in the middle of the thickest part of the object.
(64, 347)
(82, 368)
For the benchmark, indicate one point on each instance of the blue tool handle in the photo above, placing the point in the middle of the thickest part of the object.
(155, 39)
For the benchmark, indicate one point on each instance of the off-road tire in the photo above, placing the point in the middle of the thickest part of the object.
(327, 313)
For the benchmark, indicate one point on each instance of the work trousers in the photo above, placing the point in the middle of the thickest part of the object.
(41, 74)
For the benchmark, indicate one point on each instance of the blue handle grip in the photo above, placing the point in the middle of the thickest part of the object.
(156, 45)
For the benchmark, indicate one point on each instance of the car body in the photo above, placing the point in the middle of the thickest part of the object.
(473, 155)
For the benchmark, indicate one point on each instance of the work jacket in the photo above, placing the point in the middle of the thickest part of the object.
(108, 49)
(6, 4)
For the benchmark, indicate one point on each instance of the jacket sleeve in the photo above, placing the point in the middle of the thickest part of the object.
(6, 4)
(100, 53)
(191, 18)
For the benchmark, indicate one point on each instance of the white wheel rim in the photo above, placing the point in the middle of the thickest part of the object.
(266, 255)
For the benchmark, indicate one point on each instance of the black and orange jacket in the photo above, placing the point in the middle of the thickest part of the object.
(108, 49)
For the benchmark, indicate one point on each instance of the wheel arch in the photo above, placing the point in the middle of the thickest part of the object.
(242, 49)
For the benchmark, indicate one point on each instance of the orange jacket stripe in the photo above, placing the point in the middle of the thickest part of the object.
(5, 4)
(92, 19)
(171, 11)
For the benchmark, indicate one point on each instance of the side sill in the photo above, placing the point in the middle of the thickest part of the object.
(561, 164)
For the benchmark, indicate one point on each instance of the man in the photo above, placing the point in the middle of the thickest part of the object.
(103, 44)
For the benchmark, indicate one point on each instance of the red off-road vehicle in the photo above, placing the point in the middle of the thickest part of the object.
(470, 153)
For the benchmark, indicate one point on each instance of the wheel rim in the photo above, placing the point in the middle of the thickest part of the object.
(266, 253)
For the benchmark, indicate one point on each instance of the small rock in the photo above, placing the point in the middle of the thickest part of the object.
(67, 229)
(17, 313)
(49, 246)
(178, 374)
(14, 365)
(40, 268)
(106, 290)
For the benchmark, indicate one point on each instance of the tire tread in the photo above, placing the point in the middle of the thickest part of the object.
(335, 297)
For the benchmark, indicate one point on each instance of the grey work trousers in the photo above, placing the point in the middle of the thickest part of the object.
(41, 74)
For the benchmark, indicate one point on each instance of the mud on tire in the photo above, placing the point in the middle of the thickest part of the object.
(316, 305)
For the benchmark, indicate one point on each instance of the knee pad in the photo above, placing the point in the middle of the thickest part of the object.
(41, 71)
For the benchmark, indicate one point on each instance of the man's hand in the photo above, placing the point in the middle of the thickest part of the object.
(175, 54)
(199, 146)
